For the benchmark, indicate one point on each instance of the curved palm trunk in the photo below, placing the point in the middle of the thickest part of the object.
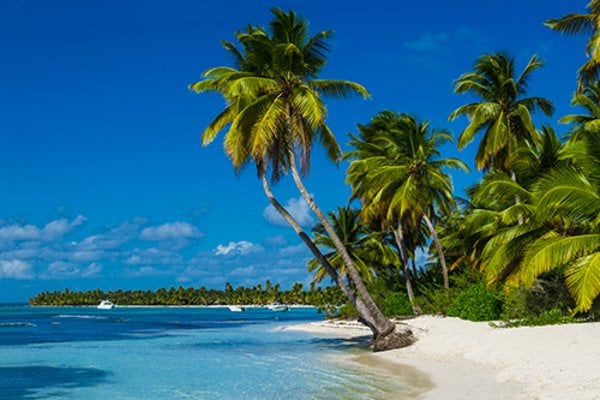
(340, 280)
(385, 334)
(399, 238)
(438, 247)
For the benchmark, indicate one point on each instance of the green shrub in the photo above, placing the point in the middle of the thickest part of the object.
(476, 303)
(550, 317)
(516, 304)
(436, 299)
(397, 304)
(347, 311)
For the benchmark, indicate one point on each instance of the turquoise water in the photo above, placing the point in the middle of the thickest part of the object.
(173, 353)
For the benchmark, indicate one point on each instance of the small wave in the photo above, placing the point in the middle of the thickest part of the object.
(80, 316)
(17, 325)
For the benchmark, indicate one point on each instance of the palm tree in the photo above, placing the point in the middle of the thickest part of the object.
(274, 113)
(572, 24)
(504, 113)
(561, 226)
(367, 249)
(397, 174)
(589, 99)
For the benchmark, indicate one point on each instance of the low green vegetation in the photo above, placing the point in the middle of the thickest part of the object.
(550, 317)
(397, 304)
(476, 303)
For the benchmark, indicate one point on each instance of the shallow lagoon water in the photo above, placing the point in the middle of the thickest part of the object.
(175, 353)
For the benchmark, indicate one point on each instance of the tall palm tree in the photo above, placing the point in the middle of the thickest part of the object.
(274, 113)
(572, 24)
(396, 171)
(504, 113)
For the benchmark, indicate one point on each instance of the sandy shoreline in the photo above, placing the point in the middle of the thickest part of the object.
(472, 360)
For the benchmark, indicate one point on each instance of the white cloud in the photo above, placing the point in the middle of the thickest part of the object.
(278, 240)
(101, 242)
(86, 255)
(66, 269)
(16, 269)
(51, 231)
(19, 232)
(153, 256)
(293, 250)
(145, 271)
(60, 227)
(171, 231)
(296, 207)
(238, 248)
(243, 271)
(61, 269)
(93, 270)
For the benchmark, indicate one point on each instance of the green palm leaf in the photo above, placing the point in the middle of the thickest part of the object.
(553, 251)
(583, 280)
(339, 89)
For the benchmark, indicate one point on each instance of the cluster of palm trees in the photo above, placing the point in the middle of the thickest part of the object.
(274, 113)
(536, 209)
(258, 294)
(537, 206)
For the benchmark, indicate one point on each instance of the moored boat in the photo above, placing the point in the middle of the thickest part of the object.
(236, 308)
(106, 305)
(278, 307)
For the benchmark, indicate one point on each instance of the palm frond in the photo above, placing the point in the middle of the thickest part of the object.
(572, 24)
(553, 251)
(583, 280)
(339, 89)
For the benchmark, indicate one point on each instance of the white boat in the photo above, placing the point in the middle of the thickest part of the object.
(277, 307)
(236, 308)
(106, 305)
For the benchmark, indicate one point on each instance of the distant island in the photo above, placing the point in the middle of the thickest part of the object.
(190, 296)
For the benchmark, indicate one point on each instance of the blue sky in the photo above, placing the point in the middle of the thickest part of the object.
(103, 182)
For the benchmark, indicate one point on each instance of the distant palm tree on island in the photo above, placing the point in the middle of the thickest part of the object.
(274, 113)
(323, 298)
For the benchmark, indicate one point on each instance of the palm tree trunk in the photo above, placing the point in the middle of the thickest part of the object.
(386, 336)
(399, 238)
(513, 176)
(438, 247)
(340, 280)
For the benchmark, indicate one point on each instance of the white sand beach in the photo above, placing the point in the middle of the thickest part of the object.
(472, 360)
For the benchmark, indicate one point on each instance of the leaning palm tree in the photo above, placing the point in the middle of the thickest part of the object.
(396, 171)
(572, 24)
(504, 113)
(274, 113)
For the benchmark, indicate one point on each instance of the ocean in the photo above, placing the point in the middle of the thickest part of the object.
(178, 353)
